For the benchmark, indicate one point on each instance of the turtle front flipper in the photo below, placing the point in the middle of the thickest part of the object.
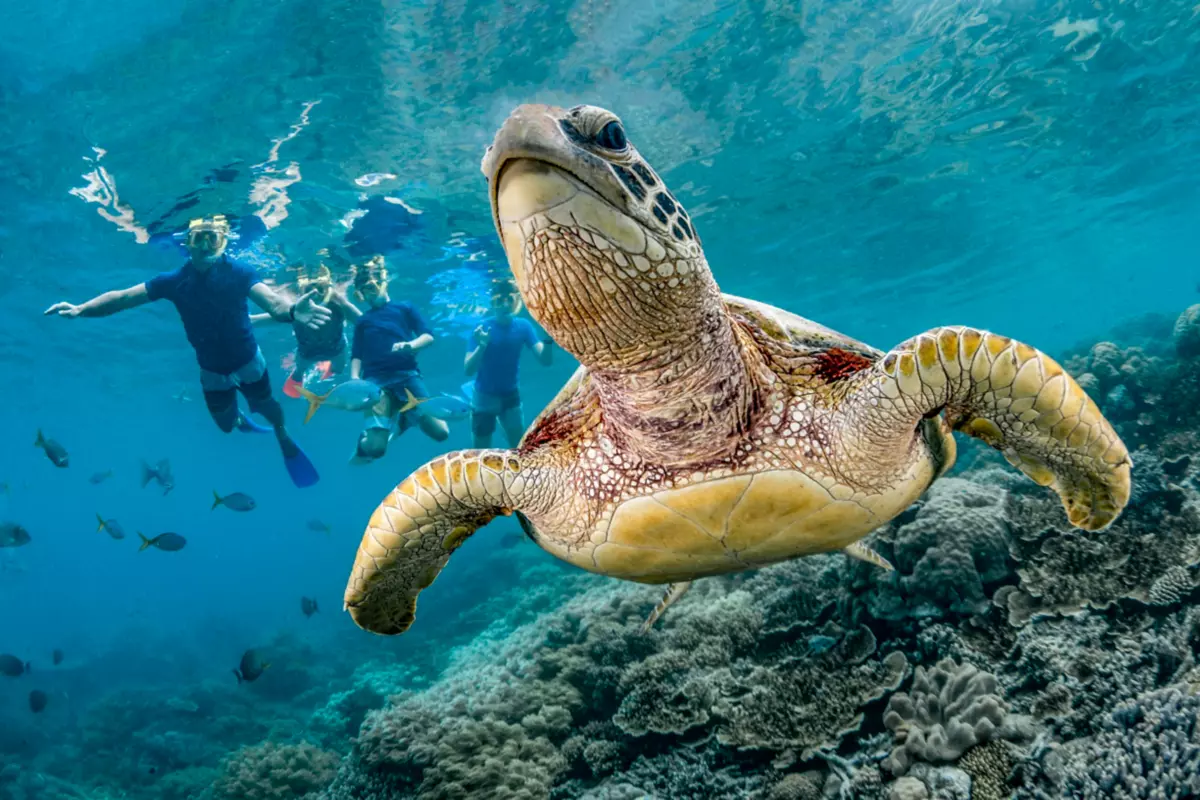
(419, 524)
(1014, 398)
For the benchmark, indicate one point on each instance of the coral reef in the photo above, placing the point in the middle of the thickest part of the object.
(271, 771)
(949, 709)
(1147, 748)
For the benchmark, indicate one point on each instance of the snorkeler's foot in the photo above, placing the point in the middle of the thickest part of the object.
(247, 425)
(291, 387)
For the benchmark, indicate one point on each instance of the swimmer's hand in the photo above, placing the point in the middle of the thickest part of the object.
(482, 333)
(63, 310)
(402, 347)
(308, 313)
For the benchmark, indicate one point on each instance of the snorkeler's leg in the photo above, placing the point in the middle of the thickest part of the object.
(434, 428)
(483, 424)
(222, 405)
(291, 387)
(512, 419)
(373, 441)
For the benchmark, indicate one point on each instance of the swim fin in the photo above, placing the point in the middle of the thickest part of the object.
(292, 387)
(247, 425)
(301, 470)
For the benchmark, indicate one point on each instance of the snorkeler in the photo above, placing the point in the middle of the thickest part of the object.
(493, 360)
(387, 338)
(325, 343)
(210, 292)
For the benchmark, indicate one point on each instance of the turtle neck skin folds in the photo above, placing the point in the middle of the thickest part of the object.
(609, 265)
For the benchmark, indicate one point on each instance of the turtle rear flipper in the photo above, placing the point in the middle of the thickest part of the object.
(419, 524)
(1014, 398)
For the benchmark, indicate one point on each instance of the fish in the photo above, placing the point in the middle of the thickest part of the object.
(38, 701)
(181, 396)
(161, 473)
(57, 657)
(352, 395)
(308, 606)
(238, 501)
(110, 526)
(251, 667)
(54, 451)
(319, 526)
(446, 407)
(13, 535)
(169, 542)
(100, 477)
(12, 666)
(510, 541)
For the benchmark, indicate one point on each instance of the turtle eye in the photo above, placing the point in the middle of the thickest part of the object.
(612, 137)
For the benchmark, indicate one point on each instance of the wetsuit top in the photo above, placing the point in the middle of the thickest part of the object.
(212, 307)
(498, 366)
(328, 340)
(375, 333)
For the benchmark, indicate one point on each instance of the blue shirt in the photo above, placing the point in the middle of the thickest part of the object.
(212, 306)
(498, 365)
(375, 333)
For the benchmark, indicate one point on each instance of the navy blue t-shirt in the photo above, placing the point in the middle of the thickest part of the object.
(498, 367)
(375, 333)
(212, 306)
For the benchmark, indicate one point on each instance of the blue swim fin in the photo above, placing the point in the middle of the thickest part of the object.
(247, 425)
(301, 470)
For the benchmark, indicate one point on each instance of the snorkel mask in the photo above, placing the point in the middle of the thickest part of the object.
(321, 281)
(207, 236)
(371, 279)
(506, 299)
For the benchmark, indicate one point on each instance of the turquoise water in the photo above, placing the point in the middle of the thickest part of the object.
(1026, 167)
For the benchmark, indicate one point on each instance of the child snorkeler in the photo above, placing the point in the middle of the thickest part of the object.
(326, 343)
(495, 355)
(387, 338)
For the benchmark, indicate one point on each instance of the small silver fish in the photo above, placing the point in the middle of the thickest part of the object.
(100, 477)
(169, 542)
(445, 407)
(110, 526)
(355, 395)
(319, 526)
(238, 501)
(54, 451)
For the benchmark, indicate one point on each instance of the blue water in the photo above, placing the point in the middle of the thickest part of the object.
(1027, 167)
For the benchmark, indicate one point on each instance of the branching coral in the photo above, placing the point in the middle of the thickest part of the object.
(1148, 748)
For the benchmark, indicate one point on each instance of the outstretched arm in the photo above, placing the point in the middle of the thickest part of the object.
(304, 310)
(343, 302)
(103, 305)
(258, 319)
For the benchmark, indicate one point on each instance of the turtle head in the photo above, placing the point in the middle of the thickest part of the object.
(605, 257)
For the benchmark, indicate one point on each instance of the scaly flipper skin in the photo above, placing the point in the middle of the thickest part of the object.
(1014, 398)
(421, 522)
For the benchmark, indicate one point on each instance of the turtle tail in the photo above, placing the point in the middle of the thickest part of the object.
(1015, 399)
(420, 523)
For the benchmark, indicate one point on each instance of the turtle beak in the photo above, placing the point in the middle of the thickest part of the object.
(530, 132)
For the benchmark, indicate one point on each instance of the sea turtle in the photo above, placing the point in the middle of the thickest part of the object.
(704, 433)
